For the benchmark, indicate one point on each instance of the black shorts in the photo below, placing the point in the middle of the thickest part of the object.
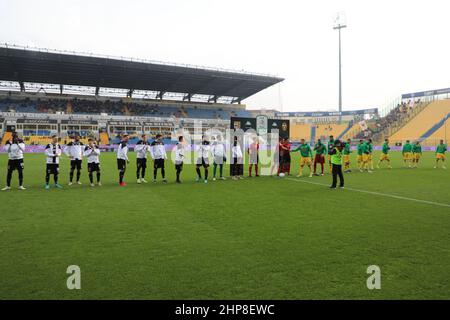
(75, 164)
(202, 162)
(179, 166)
(92, 167)
(121, 164)
(52, 168)
(141, 163)
(159, 163)
(15, 164)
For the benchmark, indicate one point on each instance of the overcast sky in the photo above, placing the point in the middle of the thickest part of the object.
(390, 47)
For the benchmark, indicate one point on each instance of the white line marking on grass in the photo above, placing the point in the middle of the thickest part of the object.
(378, 193)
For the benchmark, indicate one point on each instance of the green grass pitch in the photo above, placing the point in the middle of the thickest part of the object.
(259, 238)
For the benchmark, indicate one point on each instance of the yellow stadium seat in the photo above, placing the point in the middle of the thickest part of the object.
(6, 137)
(300, 131)
(425, 120)
(323, 131)
(104, 138)
(352, 132)
(38, 140)
(441, 133)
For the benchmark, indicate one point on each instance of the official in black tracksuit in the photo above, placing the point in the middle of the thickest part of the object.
(336, 164)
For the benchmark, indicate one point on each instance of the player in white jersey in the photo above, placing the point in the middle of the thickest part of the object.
(219, 158)
(203, 152)
(122, 159)
(15, 148)
(142, 148)
(158, 153)
(179, 157)
(74, 150)
(237, 164)
(92, 154)
(53, 153)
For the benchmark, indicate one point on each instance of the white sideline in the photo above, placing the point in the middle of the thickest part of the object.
(377, 193)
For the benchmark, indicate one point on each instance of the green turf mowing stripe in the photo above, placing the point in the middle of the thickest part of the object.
(379, 194)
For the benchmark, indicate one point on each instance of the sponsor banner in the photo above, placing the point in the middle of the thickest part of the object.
(157, 124)
(325, 114)
(425, 93)
(37, 121)
(243, 123)
(125, 123)
(171, 145)
(79, 122)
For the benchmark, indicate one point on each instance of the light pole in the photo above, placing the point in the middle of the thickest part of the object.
(339, 23)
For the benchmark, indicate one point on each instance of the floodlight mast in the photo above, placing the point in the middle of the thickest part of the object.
(338, 26)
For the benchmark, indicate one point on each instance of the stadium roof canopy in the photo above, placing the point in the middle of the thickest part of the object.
(62, 68)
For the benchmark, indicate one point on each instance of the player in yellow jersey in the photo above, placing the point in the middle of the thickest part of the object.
(440, 154)
(385, 154)
(346, 155)
(359, 157)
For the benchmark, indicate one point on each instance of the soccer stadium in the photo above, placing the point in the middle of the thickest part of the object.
(155, 181)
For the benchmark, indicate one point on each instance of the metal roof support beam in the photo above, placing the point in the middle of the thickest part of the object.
(22, 86)
(213, 98)
(237, 99)
(61, 89)
(130, 93)
(97, 89)
(160, 95)
(187, 97)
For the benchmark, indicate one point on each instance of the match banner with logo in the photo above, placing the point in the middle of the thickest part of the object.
(280, 126)
(243, 123)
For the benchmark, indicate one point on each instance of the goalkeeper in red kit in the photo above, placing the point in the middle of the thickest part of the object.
(320, 150)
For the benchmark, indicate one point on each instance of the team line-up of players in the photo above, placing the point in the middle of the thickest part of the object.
(338, 158)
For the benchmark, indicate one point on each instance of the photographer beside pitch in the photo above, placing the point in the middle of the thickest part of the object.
(15, 148)
(335, 153)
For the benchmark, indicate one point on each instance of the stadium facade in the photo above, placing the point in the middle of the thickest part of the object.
(44, 92)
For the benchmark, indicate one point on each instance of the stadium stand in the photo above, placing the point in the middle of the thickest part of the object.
(313, 133)
(104, 138)
(418, 126)
(324, 131)
(441, 133)
(351, 132)
(91, 106)
(299, 131)
(6, 137)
